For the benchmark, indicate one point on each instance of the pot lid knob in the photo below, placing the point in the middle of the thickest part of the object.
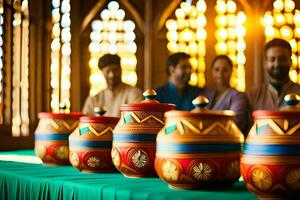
(100, 110)
(62, 108)
(150, 95)
(291, 99)
(200, 102)
(291, 102)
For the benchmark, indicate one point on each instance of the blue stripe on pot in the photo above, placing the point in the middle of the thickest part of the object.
(140, 137)
(271, 149)
(197, 148)
(85, 144)
(52, 136)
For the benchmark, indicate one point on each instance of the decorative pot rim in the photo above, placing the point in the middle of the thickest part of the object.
(99, 119)
(147, 106)
(207, 113)
(261, 114)
(71, 115)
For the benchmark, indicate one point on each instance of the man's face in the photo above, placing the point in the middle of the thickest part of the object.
(278, 62)
(182, 71)
(112, 75)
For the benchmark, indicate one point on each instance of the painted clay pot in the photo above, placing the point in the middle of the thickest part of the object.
(134, 137)
(51, 136)
(199, 149)
(270, 163)
(91, 143)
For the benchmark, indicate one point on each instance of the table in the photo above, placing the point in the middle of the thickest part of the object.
(24, 180)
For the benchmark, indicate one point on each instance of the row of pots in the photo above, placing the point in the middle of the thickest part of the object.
(197, 149)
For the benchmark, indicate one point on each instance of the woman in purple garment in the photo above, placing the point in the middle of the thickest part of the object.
(226, 98)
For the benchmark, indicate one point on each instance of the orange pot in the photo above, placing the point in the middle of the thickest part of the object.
(51, 136)
(91, 143)
(270, 164)
(199, 149)
(134, 137)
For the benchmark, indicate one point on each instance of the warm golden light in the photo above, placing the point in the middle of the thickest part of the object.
(179, 13)
(270, 32)
(268, 19)
(221, 7)
(278, 5)
(221, 48)
(171, 25)
(284, 22)
(60, 56)
(112, 34)
(289, 5)
(201, 6)
(221, 20)
(187, 34)
(230, 39)
(279, 19)
(297, 32)
(222, 34)
(20, 71)
(231, 6)
(297, 18)
(286, 32)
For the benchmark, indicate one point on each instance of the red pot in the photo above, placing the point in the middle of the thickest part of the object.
(134, 137)
(270, 163)
(91, 143)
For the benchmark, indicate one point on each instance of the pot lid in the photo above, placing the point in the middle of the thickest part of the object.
(290, 110)
(63, 113)
(99, 118)
(149, 104)
(200, 109)
(71, 115)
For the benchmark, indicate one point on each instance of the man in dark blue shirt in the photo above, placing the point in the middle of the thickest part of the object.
(177, 90)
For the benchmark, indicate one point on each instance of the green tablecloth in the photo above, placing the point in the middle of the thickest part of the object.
(35, 181)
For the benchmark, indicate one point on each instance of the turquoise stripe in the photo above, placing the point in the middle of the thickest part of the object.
(261, 129)
(83, 130)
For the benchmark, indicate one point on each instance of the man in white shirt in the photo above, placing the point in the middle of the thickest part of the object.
(116, 93)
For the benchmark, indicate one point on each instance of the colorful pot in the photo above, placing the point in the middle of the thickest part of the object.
(134, 138)
(199, 149)
(91, 143)
(270, 164)
(51, 136)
